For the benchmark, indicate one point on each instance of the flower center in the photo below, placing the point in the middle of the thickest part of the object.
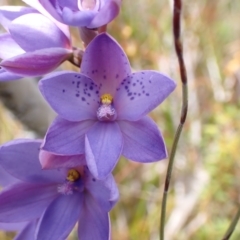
(88, 4)
(73, 175)
(70, 185)
(106, 111)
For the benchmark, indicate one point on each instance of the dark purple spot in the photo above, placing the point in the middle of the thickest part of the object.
(77, 95)
(117, 76)
(104, 76)
(128, 82)
(147, 94)
(63, 90)
(92, 71)
(85, 85)
(135, 94)
(140, 83)
(91, 88)
(137, 80)
(134, 84)
(79, 77)
(130, 94)
(73, 82)
(97, 92)
(94, 179)
(89, 94)
(139, 94)
(131, 98)
(126, 87)
(83, 99)
(143, 91)
(143, 72)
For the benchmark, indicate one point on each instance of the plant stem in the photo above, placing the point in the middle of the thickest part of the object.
(184, 108)
(232, 226)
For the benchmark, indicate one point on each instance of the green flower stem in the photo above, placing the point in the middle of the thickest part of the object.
(232, 226)
(184, 109)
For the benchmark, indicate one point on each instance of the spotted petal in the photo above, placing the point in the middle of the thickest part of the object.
(72, 95)
(143, 141)
(140, 93)
(106, 63)
(103, 146)
(65, 137)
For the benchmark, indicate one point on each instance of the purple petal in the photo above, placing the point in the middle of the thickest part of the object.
(140, 93)
(36, 63)
(20, 159)
(9, 13)
(6, 178)
(49, 160)
(106, 63)
(66, 138)
(28, 233)
(105, 192)
(103, 146)
(60, 217)
(143, 141)
(45, 7)
(77, 19)
(72, 95)
(35, 31)
(8, 47)
(7, 76)
(12, 226)
(106, 14)
(24, 201)
(94, 222)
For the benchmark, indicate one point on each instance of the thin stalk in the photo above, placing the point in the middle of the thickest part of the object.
(232, 226)
(184, 108)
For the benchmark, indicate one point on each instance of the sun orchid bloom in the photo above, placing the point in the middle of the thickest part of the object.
(33, 45)
(102, 110)
(80, 13)
(59, 198)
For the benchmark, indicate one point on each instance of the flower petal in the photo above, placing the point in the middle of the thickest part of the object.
(60, 217)
(105, 192)
(106, 14)
(25, 202)
(45, 7)
(12, 226)
(77, 19)
(140, 93)
(143, 141)
(8, 47)
(7, 76)
(35, 31)
(72, 95)
(94, 222)
(6, 178)
(28, 232)
(103, 146)
(36, 63)
(49, 160)
(9, 13)
(20, 159)
(66, 138)
(105, 63)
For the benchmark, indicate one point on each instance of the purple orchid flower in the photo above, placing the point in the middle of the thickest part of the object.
(59, 198)
(102, 109)
(33, 45)
(80, 13)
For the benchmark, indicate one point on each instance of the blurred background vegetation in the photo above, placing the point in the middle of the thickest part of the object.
(205, 188)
